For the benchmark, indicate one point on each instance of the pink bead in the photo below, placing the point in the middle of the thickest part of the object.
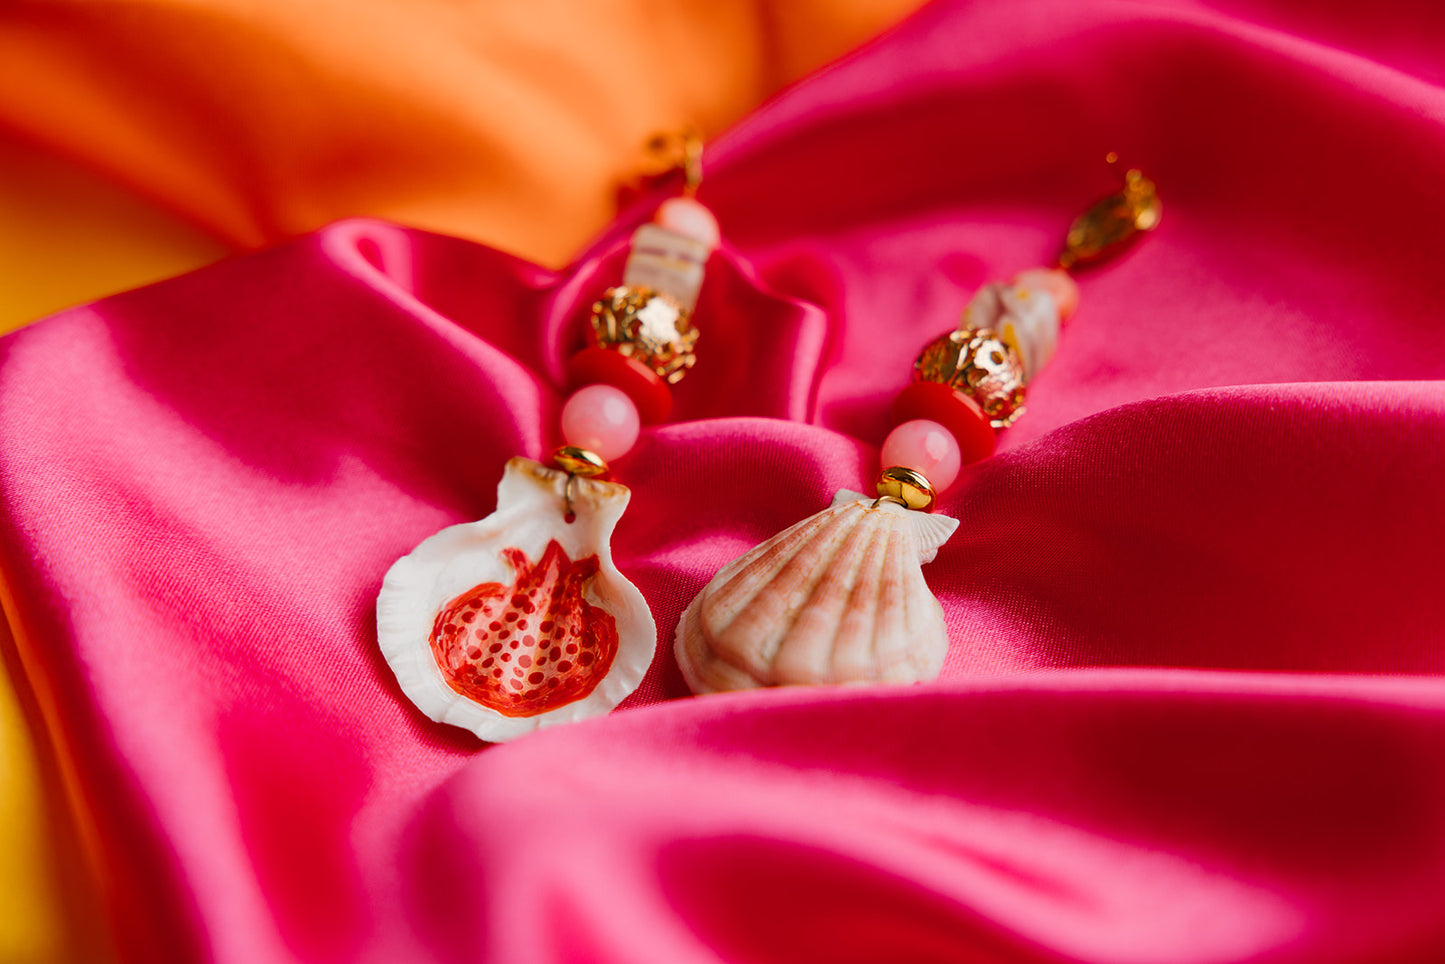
(1056, 282)
(926, 447)
(601, 419)
(690, 219)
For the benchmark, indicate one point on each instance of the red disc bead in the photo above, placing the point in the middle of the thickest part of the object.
(953, 410)
(603, 366)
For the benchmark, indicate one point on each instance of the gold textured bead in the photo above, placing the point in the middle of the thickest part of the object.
(907, 486)
(649, 326)
(579, 461)
(982, 365)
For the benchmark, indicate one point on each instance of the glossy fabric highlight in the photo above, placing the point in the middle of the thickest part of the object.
(1192, 709)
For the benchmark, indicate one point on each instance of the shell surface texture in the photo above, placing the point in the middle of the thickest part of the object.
(838, 598)
(519, 620)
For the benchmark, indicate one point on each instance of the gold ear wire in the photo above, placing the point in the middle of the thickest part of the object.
(1106, 228)
(678, 150)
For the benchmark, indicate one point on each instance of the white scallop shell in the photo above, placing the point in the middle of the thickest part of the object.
(530, 506)
(837, 598)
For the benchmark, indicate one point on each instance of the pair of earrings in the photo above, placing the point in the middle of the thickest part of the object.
(521, 620)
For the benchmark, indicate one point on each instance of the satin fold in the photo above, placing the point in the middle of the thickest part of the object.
(1192, 710)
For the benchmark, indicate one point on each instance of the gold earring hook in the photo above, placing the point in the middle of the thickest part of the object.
(678, 150)
(1106, 228)
(577, 463)
(568, 513)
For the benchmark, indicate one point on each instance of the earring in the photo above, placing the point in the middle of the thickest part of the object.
(840, 597)
(521, 620)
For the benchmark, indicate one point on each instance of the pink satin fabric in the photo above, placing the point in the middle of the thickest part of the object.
(1193, 709)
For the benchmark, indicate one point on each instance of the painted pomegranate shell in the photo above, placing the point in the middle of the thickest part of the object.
(522, 568)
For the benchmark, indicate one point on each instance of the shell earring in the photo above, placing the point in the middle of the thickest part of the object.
(840, 597)
(521, 620)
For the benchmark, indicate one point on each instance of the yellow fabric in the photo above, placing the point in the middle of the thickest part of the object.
(50, 909)
(68, 236)
(31, 924)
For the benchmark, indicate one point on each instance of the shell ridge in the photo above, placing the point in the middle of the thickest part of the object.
(707, 655)
(879, 590)
(808, 639)
(753, 563)
(912, 655)
(705, 670)
(765, 619)
(853, 642)
(765, 561)
(892, 625)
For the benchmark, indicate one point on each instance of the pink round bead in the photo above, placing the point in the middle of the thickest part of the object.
(1055, 281)
(924, 446)
(601, 419)
(690, 219)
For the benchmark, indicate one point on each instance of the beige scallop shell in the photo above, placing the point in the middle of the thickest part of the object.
(837, 598)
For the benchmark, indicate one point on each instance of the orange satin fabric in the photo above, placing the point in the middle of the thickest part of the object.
(141, 139)
(510, 124)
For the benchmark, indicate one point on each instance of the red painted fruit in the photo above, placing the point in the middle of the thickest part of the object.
(529, 647)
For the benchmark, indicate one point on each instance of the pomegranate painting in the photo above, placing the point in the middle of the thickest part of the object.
(520, 620)
(531, 646)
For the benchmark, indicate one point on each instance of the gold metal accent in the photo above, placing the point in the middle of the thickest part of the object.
(983, 365)
(1104, 229)
(906, 487)
(568, 513)
(579, 462)
(678, 150)
(649, 326)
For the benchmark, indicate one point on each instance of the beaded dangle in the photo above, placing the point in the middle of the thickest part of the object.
(521, 620)
(840, 597)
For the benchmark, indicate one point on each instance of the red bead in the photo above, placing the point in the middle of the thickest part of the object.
(953, 410)
(602, 366)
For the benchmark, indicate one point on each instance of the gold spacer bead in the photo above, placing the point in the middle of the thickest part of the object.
(579, 461)
(906, 486)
